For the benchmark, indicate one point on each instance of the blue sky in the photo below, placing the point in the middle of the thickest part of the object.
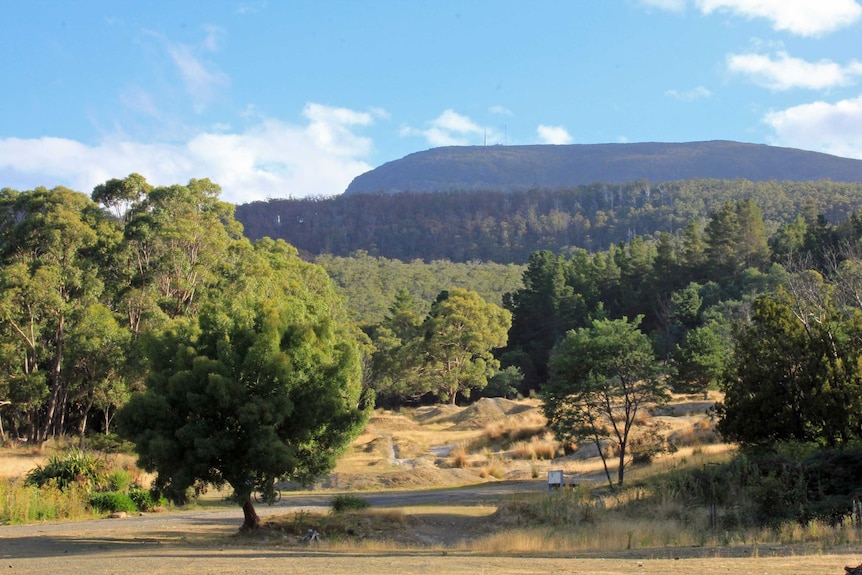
(291, 98)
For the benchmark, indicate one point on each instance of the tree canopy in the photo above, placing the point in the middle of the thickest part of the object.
(260, 386)
(602, 378)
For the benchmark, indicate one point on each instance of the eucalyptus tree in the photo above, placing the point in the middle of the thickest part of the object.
(458, 339)
(52, 244)
(603, 377)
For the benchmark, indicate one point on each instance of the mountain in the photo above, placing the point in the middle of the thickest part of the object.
(506, 227)
(519, 168)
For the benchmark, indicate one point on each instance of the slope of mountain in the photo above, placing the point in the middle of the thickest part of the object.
(518, 168)
(506, 227)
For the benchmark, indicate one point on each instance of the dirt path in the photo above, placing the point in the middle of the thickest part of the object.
(206, 542)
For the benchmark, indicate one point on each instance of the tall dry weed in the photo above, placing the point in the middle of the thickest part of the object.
(459, 457)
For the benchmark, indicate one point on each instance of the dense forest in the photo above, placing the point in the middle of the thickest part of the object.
(370, 283)
(491, 226)
(96, 291)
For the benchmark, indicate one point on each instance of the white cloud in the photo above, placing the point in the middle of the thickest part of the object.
(269, 159)
(213, 40)
(553, 135)
(802, 17)
(689, 95)
(202, 84)
(831, 128)
(784, 72)
(453, 129)
(500, 110)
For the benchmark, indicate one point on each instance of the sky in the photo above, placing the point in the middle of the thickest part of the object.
(295, 98)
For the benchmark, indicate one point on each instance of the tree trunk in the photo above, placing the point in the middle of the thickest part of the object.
(54, 377)
(251, 521)
(622, 465)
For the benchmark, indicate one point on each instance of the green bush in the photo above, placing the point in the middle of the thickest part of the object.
(119, 480)
(111, 502)
(342, 503)
(146, 500)
(74, 466)
(110, 443)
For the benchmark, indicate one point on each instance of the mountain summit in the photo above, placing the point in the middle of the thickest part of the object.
(515, 168)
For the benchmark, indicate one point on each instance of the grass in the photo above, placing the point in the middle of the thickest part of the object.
(542, 446)
(20, 503)
(583, 520)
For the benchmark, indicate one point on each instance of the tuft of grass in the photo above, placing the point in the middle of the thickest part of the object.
(493, 468)
(22, 503)
(538, 447)
(460, 457)
(119, 480)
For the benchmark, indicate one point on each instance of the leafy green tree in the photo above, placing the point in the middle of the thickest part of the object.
(459, 336)
(702, 358)
(504, 383)
(796, 370)
(602, 377)
(52, 241)
(95, 365)
(541, 313)
(394, 365)
(262, 385)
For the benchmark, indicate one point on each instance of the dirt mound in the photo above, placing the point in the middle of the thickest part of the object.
(381, 446)
(434, 413)
(381, 423)
(487, 410)
(419, 476)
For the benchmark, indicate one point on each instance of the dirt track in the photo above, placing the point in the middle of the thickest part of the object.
(206, 542)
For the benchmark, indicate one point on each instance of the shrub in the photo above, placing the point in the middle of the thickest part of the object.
(346, 502)
(75, 466)
(146, 500)
(111, 502)
(110, 443)
(119, 480)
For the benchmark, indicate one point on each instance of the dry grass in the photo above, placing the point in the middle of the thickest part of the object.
(459, 456)
(538, 447)
(493, 468)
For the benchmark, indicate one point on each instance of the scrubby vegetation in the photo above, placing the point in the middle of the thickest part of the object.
(74, 484)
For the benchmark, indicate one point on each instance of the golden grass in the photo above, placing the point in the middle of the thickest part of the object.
(538, 447)
(493, 468)
(459, 456)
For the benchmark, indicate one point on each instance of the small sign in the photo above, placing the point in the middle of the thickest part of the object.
(555, 479)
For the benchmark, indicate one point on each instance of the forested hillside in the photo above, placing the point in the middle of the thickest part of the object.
(462, 226)
(370, 283)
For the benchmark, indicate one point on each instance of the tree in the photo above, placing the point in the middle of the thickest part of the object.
(94, 366)
(50, 247)
(395, 368)
(262, 385)
(459, 335)
(602, 376)
(702, 358)
(797, 370)
(541, 313)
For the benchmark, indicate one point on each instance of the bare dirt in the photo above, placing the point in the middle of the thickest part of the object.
(403, 461)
